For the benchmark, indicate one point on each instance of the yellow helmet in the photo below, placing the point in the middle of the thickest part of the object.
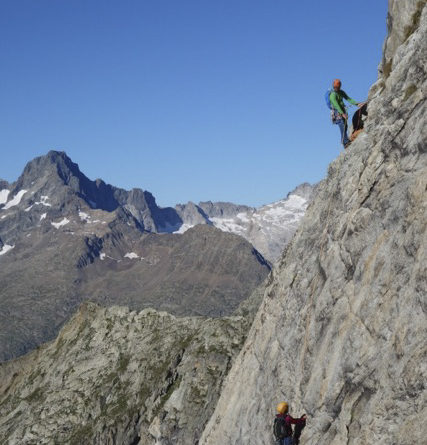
(282, 407)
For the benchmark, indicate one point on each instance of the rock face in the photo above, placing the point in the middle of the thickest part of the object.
(223, 209)
(403, 19)
(4, 185)
(342, 327)
(118, 377)
(269, 228)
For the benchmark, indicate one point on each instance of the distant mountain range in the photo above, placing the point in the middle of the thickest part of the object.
(54, 182)
(269, 228)
(65, 239)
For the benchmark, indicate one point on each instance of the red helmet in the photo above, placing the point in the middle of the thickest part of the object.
(336, 83)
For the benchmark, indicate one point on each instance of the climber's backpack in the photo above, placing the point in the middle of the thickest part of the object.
(329, 105)
(328, 99)
(279, 428)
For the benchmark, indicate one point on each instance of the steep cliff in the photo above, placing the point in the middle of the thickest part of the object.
(342, 327)
(114, 376)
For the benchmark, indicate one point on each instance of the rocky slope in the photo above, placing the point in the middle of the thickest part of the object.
(268, 228)
(192, 214)
(342, 327)
(46, 276)
(114, 376)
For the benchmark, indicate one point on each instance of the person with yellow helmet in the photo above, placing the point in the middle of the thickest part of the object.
(283, 426)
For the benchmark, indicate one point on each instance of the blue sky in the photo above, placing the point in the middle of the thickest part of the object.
(189, 99)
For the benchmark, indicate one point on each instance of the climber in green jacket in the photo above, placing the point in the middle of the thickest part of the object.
(340, 115)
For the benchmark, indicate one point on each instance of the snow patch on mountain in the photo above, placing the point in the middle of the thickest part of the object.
(292, 206)
(6, 249)
(3, 196)
(84, 216)
(233, 225)
(15, 200)
(132, 255)
(43, 216)
(43, 201)
(61, 223)
(269, 228)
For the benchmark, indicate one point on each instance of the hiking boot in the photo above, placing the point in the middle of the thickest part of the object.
(347, 144)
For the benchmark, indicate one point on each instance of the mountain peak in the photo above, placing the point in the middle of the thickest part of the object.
(305, 190)
(53, 166)
(56, 177)
(4, 184)
(56, 155)
(223, 209)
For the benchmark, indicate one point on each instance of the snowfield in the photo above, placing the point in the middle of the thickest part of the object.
(43, 201)
(15, 200)
(269, 228)
(61, 223)
(84, 216)
(6, 248)
(3, 196)
(131, 255)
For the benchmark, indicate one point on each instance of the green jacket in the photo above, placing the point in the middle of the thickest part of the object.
(337, 101)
